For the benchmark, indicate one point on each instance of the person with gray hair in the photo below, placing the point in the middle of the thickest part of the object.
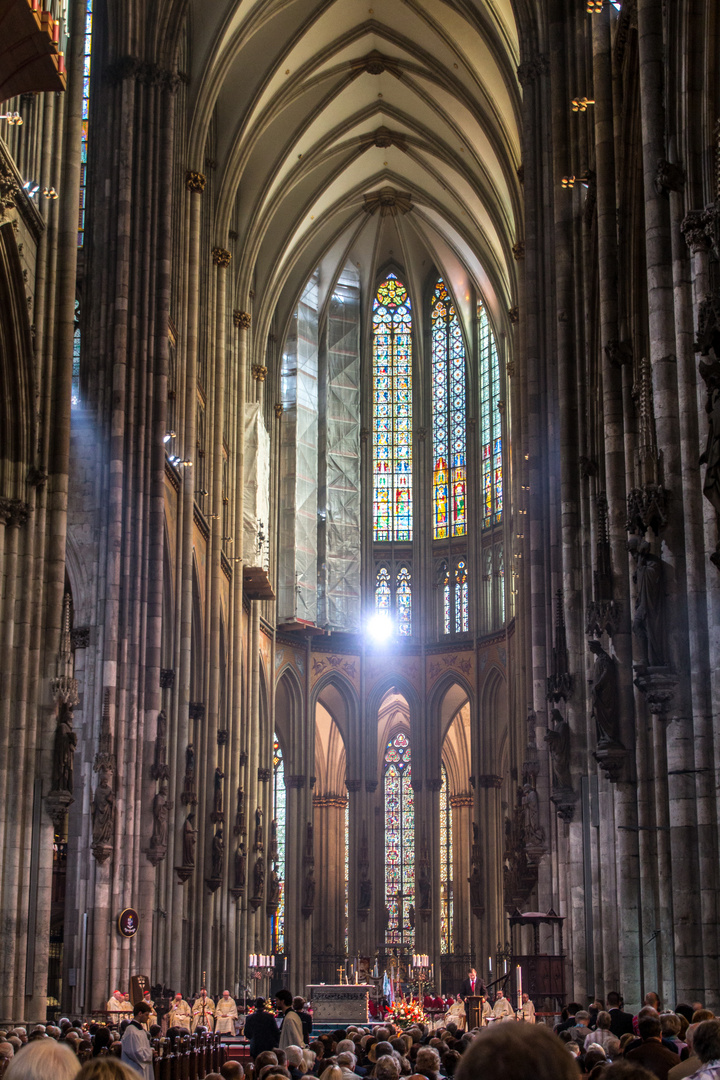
(43, 1059)
(690, 1064)
(387, 1067)
(706, 1045)
(427, 1062)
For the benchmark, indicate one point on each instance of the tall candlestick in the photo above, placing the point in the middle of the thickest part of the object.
(518, 972)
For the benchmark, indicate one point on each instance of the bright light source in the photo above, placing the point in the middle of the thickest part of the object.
(380, 627)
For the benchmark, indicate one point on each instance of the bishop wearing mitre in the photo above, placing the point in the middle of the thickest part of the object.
(226, 1013)
(203, 1012)
(179, 1014)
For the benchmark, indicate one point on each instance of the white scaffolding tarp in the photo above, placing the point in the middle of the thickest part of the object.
(256, 512)
(341, 463)
(298, 516)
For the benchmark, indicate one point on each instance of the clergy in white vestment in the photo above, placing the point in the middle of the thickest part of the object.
(226, 1014)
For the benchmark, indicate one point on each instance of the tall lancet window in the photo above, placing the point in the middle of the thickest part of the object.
(446, 866)
(490, 427)
(85, 122)
(449, 439)
(280, 819)
(392, 412)
(399, 842)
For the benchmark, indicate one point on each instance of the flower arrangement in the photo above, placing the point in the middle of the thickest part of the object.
(405, 1013)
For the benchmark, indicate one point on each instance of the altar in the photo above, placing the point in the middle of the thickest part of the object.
(343, 1004)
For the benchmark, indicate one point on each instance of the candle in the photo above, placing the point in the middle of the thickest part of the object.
(518, 972)
(505, 967)
(285, 967)
(490, 964)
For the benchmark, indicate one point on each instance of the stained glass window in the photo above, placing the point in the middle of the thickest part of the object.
(392, 412)
(382, 591)
(75, 399)
(462, 619)
(446, 866)
(347, 876)
(85, 119)
(394, 598)
(403, 601)
(448, 397)
(500, 570)
(280, 817)
(399, 842)
(490, 428)
(445, 584)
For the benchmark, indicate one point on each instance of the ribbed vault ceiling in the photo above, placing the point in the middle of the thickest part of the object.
(385, 134)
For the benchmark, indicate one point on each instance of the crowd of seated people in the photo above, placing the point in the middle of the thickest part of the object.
(601, 1042)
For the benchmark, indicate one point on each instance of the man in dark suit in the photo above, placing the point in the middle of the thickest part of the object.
(471, 987)
(621, 1023)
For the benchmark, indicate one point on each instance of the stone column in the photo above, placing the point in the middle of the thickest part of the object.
(659, 176)
(614, 354)
(461, 826)
(329, 915)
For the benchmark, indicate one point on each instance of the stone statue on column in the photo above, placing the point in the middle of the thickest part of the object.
(218, 814)
(161, 810)
(189, 796)
(64, 750)
(259, 844)
(240, 868)
(649, 620)
(239, 828)
(217, 854)
(558, 741)
(605, 698)
(102, 810)
(160, 769)
(189, 841)
(308, 903)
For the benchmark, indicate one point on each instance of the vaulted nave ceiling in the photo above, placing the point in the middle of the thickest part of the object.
(343, 130)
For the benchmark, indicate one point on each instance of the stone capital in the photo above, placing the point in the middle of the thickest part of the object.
(279, 409)
(14, 512)
(242, 319)
(195, 181)
(221, 257)
(530, 70)
(518, 250)
(489, 780)
(694, 229)
(259, 372)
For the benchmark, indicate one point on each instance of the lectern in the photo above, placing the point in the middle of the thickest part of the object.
(473, 1011)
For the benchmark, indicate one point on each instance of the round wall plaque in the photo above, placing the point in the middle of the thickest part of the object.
(128, 922)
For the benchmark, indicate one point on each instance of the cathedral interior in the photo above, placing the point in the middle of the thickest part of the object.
(359, 494)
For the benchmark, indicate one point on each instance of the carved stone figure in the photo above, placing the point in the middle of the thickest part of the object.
(365, 892)
(259, 878)
(239, 829)
(475, 883)
(411, 916)
(103, 811)
(648, 623)
(160, 767)
(274, 889)
(558, 741)
(258, 845)
(423, 888)
(188, 792)
(711, 456)
(605, 697)
(309, 890)
(161, 809)
(189, 840)
(240, 867)
(217, 814)
(534, 833)
(64, 749)
(217, 853)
